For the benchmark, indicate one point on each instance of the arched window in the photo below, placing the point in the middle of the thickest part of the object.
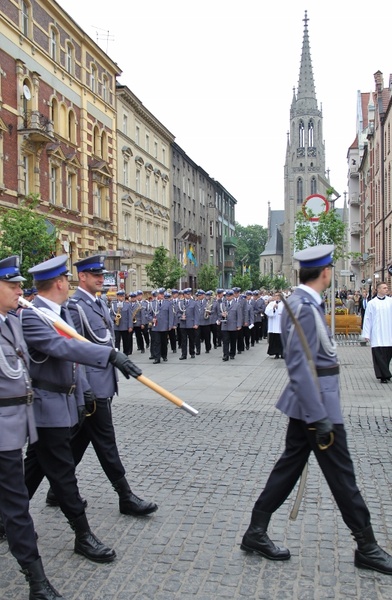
(311, 133)
(313, 186)
(300, 190)
(104, 145)
(25, 15)
(105, 88)
(71, 126)
(53, 43)
(93, 78)
(55, 115)
(63, 120)
(96, 141)
(301, 128)
(69, 58)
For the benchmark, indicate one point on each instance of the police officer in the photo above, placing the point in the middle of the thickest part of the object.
(231, 319)
(188, 315)
(162, 318)
(137, 320)
(16, 424)
(58, 399)
(315, 422)
(122, 319)
(91, 319)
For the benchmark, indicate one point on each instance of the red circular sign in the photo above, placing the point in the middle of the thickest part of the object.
(316, 204)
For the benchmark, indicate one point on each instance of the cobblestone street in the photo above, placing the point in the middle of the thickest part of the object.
(205, 472)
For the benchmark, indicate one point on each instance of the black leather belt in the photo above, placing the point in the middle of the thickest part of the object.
(328, 372)
(53, 387)
(16, 401)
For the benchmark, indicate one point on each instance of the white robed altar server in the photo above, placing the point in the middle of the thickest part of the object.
(377, 328)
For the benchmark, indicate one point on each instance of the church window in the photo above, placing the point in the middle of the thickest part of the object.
(300, 190)
(311, 133)
(313, 186)
(301, 141)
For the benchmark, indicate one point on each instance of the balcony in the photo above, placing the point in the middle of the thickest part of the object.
(354, 170)
(36, 127)
(356, 228)
(355, 200)
(228, 266)
(230, 242)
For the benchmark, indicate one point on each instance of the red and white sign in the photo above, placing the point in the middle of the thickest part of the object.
(314, 206)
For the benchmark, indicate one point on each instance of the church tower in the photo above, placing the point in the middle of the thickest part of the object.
(304, 170)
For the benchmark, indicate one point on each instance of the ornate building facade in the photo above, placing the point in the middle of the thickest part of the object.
(57, 122)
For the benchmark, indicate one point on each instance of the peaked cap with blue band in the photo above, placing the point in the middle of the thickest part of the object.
(9, 269)
(49, 269)
(91, 264)
(315, 256)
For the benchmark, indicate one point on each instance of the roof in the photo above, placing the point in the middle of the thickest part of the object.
(275, 238)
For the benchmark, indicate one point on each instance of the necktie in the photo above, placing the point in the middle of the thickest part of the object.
(160, 303)
(8, 328)
(63, 314)
(98, 302)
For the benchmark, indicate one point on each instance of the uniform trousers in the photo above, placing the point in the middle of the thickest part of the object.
(158, 344)
(381, 358)
(139, 337)
(247, 333)
(229, 342)
(173, 340)
(240, 340)
(14, 508)
(51, 457)
(126, 338)
(205, 336)
(188, 334)
(99, 430)
(146, 335)
(337, 468)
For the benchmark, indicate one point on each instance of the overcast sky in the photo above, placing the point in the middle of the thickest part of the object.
(219, 74)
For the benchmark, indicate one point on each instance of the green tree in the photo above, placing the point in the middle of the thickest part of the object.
(329, 229)
(207, 278)
(242, 281)
(164, 270)
(24, 232)
(251, 243)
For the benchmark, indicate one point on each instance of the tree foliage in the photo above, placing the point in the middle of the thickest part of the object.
(24, 232)
(242, 281)
(329, 229)
(207, 278)
(164, 270)
(251, 243)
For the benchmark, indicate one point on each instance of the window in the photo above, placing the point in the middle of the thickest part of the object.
(313, 186)
(54, 185)
(93, 79)
(96, 141)
(69, 58)
(71, 191)
(127, 222)
(138, 181)
(72, 127)
(137, 134)
(155, 149)
(125, 172)
(301, 129)
(125, 124)
(212, 229)
(156, 192)
(147, 142)
(300, 191)
(55, 115)
(53, 43)
(311, 134)
(138, 230)
(104, 88)
(164, 155)
(164, 195)
(147, 186)
(104, 146)
(28, 174)
(25, 10)
(156, 236)
(148, 233)
(98, 202)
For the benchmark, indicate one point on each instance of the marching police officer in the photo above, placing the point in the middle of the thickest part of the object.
(16, 424)
(312, 403)
(231, 319)
(58, 398)
(92, 320)
(122, 320)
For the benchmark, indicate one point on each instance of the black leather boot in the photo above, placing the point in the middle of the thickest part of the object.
(256, 539)
(369, 555)
(131, 504)
(40, 588)
(87, 544)
(51, 499)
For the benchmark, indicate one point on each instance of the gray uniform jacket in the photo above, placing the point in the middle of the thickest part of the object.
(258, 309)
(126, 316)
(16, 422)
(54, 361)
(189, 309)
(303, 398)
(235, 313)
(162, 317)
(103, 382)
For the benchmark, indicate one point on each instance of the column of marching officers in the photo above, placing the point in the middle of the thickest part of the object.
(226, 319)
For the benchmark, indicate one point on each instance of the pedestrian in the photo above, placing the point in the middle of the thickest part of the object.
(249, 322)
(273, 312)
(188, 315)
(377, 329)
(17, 424)
(315, 422)
(122, 319)
(231, 319)
(57, 380)
(162, 318)
(363, 302)
(350, 305)
(92, 320)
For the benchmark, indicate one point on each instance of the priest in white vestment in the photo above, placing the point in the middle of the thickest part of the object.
(377, 328)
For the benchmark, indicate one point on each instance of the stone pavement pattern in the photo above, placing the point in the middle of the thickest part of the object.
(205, 473)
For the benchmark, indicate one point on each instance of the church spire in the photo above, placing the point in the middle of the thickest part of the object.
(306, 91)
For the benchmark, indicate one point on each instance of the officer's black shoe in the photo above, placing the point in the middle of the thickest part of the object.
(87, 544)
(225, 358)
(40, 587)
(51, 499)
(156, 361)
(369, 555)
(130, 504)
(256, 539)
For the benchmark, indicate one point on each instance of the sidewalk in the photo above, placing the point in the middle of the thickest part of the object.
(205, 472)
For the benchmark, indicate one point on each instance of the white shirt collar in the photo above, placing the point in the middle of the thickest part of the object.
(315, 295)
(93, 298)
(56, 308)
